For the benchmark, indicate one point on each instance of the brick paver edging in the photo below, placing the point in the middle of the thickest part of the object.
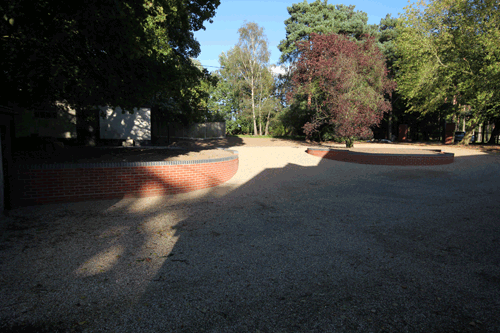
(53, 183)
(434, 157)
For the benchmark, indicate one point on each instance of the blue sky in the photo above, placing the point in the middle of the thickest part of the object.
(222, 35)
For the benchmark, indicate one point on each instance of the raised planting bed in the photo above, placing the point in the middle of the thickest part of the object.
(69, 182)
(385, 156)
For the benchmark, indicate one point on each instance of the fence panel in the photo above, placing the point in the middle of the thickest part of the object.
(209, 130)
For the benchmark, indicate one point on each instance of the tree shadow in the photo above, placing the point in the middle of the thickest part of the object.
(336, 246)
(60, 259)
(314, 245)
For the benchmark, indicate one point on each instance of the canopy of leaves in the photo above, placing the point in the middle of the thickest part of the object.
(190, 102)
(225, 96)
(449, 53)
(347, 82)
(246, 63)
(387, 39)
(321, 18)
(118, 53)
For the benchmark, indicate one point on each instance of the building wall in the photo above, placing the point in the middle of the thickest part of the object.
(125, 125)
(46, 123)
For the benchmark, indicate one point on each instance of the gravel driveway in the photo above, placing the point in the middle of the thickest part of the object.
(292, 243)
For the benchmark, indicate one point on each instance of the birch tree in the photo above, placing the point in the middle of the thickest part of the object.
(251, 59)
(266, 101)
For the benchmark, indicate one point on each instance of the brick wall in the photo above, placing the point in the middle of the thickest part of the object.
(383, 159)
(65, 183)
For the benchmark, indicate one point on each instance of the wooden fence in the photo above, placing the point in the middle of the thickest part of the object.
(163, 130)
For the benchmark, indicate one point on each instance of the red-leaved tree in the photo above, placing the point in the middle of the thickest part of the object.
(345, 82)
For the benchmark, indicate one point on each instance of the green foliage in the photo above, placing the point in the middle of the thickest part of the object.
(449, 53)
(191, 102)
(117, 53)
(387, 40)
(251, 59)
(321, 18)
(232, 127)
(327, 133)
(245, 89)
(226, 97)
(296, 115)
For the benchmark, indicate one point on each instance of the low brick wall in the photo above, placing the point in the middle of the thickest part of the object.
(436, 158)
(54, 183)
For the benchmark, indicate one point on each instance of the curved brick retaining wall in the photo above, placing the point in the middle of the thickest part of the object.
(435, 157)
(53, 183)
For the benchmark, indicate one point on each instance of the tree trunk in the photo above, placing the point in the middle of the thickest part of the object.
(483, 132)
(260, 120)
(267, 122)
(309, 97)
(389, 126)
(260, 113)
(253, 113)
(494, 133)
(468, 131)
(389, 122)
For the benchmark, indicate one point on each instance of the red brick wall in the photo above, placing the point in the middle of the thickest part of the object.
(41, 186)
(381, 159)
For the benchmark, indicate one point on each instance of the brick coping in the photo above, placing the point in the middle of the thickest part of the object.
(429, 157)
(49, 166)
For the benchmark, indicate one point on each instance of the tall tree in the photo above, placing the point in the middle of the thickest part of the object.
(387, 44)
(387, 40)
(266, 101)
(249, 59)
(232, 95)
(99, 52)
(348, 82)
(449, 54)
(189, 102)
(225, 97)
(321, 18)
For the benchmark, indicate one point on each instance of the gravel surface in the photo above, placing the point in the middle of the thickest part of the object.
(292, 243)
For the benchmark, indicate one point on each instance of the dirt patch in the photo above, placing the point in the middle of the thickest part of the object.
(116, 154)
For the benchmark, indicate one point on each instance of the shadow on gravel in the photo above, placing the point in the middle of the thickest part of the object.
(334, 247)
(338, 247)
